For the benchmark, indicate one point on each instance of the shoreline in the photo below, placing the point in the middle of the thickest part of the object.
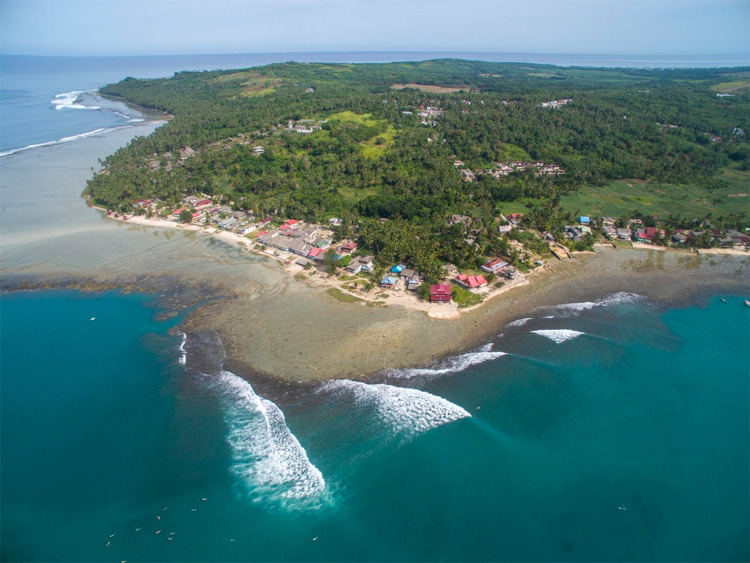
(320, 280)
(354, 346)
(294, 333)
(291, 334)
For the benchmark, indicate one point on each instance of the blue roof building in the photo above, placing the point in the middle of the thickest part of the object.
(584, 220)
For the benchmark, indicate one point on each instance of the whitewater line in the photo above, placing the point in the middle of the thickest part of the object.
(100, 131)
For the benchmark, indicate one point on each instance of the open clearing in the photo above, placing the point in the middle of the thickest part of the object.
(622, 196)
(431, 88)
(733, 86)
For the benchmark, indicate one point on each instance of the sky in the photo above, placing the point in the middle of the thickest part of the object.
(166, 27)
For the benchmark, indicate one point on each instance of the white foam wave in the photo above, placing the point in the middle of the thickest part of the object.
(451, 365)
(70, 100)
(100, 131)
(268, 458)
(403, 411)
(558, 336)
(183, 355)
(614, 299)
(519, 322)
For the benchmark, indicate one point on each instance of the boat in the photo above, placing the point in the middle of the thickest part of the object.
(723, 300)
(747, 303)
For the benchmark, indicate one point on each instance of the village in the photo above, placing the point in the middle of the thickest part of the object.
(315, 254)
(506, 168)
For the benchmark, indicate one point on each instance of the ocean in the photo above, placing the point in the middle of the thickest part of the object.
(610, 430)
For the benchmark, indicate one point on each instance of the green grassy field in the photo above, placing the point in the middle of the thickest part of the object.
(731, 86)
(371, 149)
(341, 296)
(621, 196)
(352, 195)
(363, 118)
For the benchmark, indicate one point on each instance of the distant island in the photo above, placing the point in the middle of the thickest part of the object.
(443, 183)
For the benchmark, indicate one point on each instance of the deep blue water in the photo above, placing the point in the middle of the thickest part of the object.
(628, 441)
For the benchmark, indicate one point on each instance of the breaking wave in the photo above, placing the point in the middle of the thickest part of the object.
(267, 457)
(558, 336)
(519, 322)
(70, 100)
(451, 365)
(404, 412)
(100, 131)
(614, 299)
(183, 354)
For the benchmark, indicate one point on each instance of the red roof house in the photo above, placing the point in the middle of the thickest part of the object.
(440, 292)
(471, 282)
(350, 246)
(494, 265)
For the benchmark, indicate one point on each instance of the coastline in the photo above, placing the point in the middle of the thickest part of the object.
(304, 342)
(293, 332)
(375, 297)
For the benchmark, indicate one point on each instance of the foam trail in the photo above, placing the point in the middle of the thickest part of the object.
(403, 411)
(614, 299)
(100, 131)
(558, 336)
(267, 457)
(451, 365)
(183, 355)
(519, 322)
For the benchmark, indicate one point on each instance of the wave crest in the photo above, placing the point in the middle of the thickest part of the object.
(267, 457)
(70, 100)
(558, 336)
(519, 322)
(450, 365)
(614, 299)
(403, 411)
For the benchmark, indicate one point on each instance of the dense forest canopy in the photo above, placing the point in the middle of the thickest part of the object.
(374, 156)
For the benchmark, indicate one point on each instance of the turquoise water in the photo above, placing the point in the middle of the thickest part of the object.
(619, 431)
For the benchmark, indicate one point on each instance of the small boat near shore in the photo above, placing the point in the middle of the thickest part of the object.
(747, 303)
(723, 300)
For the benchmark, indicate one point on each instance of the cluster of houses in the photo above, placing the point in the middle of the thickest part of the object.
(428, 115)
(556, 104)
(155, 162)
(306, 240)
(541, 168)
(441, 293)
(304, 126)
(400, 273)
(638, 232)
(505, 168)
